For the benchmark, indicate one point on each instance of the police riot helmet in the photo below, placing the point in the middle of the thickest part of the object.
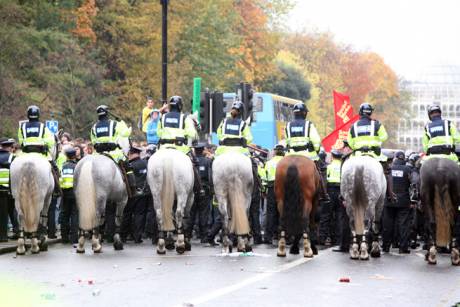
(365, 109)
(300, 107)
(433, 108)
(102, 110)
(70, 152)
(239, 106)
(414, 157)
(33, 112)
(279, 146)
(336, 153)
(176, 102)
(400, 155)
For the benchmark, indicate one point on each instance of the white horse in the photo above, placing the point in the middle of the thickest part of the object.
(32, 186)
(170, 177)
(98, 180)
(233, 183)
(363, 188)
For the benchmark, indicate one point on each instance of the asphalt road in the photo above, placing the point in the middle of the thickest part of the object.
(137, 276)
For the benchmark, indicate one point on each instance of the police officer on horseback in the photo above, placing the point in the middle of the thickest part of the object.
(366, 137)
(302, 138)
(440, 136)
(104, 135)
(175, 130)
(35, 137)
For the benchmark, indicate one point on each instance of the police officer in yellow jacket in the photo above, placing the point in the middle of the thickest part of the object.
(68, 215)
(175, 130)
(366, 137)
(440, 136)
(302, 138)
(6, 201)
(272, 212)
(105, 134)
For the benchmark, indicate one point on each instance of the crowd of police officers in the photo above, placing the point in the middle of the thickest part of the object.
(402, 219)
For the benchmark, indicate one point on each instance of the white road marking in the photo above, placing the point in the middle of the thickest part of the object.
(251, 280)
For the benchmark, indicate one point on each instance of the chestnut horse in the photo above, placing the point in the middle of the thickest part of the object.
(296, 190)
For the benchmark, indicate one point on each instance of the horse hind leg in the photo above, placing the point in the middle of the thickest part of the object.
(241, 246)
(354, 250)
(81, 241)
(21, 248)
(96, 241)
(364, 248)
(117, 243)
(431, 255)
(307, 250)
(34, 248)
(282, 244)
(180, 244)
(161, 249)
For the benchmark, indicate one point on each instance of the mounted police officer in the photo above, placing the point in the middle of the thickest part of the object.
(175, 130)
(397, 215)
(272, 218)
(302, 138)
(6, 201)
(440, 136)
(366, 137)
(234, 135)
(34, 137)
(68, 216)
(104, 135)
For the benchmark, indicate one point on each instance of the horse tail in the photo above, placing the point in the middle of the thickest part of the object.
(239, 222)
(359, 199)
(28, 196)
(293, 202)
(86, 199)
(167, 195)
(443, 214)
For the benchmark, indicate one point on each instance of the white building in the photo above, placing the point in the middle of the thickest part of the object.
(437, 84)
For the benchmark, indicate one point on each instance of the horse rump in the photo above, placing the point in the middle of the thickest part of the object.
(293, 214)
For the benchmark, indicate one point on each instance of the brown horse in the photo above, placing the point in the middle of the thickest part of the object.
(440, 187)
(296, 190)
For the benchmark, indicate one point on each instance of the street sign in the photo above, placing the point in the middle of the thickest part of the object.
(53, 126)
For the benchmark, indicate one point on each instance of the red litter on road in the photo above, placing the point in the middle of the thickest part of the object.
(344, 279)
(90, 282)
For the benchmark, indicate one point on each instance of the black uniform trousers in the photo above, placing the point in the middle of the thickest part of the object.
(52, 218)
(134, 217)
(4, 204)
(328, 225)
(215, 222)
(199, 212)
(343, 229)
(254, 215)
(272, 219)
(68, 217)
(400, 218)
(151, 228)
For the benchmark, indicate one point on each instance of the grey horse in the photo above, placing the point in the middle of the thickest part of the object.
(363, 188)
(98, 180)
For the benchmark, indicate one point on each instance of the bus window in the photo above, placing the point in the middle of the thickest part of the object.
(258, 104)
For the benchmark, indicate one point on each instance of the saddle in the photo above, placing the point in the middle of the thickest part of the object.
(125, 175)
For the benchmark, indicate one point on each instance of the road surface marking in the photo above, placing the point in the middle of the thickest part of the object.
(251, 280)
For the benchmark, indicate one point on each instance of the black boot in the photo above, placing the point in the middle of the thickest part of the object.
(322, 184)
(391, 197)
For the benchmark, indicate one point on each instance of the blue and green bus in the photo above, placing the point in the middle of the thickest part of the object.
(270, 116)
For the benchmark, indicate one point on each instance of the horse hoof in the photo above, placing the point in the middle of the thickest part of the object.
(281, 254)
(161, 251)
(240, 250)
(180, 249)
(432, 262)
(455, 256)
(248, 248)
(308, 254)
(188, 246)
(118, 246)
(97, 250)
(20, 253)
(365, 258)
(44, 247)
(35, 251)
(170, 246)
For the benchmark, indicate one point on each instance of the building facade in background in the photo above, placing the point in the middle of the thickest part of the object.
(436, 84)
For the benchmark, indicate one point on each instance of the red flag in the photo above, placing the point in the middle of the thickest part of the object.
(342, 108)
(335, 139)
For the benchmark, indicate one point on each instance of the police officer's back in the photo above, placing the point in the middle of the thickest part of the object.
(68, 215)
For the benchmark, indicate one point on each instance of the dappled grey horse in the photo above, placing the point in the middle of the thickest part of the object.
(97, 181)
(32, 186)
(363, 188)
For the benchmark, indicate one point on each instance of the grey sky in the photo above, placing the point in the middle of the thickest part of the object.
(408, 34)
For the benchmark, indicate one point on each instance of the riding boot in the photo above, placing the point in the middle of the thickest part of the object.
(197, 185)
(55, 172)
(322, 184)
(391, 197)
